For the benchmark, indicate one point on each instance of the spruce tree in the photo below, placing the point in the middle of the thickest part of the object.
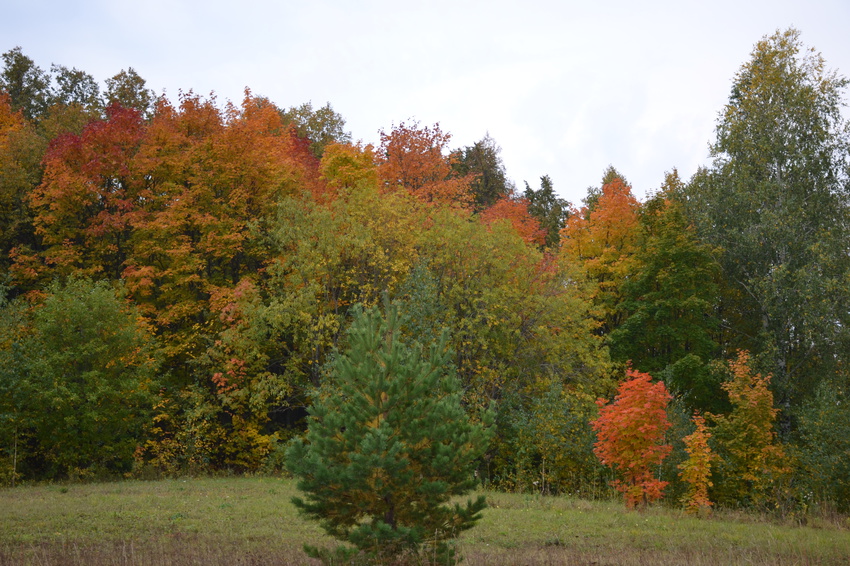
(387, 446)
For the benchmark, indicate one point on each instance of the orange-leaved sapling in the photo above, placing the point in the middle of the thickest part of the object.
(630, 437)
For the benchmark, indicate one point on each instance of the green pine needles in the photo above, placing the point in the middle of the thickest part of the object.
(388, 445)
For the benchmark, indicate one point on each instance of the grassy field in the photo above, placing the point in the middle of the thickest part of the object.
(250, 521)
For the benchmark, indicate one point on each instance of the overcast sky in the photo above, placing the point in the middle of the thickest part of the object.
(565, 88)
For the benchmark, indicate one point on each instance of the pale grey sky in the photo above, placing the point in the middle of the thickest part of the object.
(565, 88)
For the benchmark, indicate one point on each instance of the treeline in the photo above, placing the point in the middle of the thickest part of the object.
(179, 275)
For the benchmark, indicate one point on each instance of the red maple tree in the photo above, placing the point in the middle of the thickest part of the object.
(630, 433)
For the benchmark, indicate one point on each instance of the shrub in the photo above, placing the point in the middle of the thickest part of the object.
(630, 436)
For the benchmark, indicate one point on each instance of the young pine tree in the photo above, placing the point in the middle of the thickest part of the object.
(387, 446)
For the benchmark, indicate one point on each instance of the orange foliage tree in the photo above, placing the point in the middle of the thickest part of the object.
(178, 208)
(214, 179)
(630, 434)
(603, 240)
(413, 158)
(212, 182)
(21, 153)
(515, 211)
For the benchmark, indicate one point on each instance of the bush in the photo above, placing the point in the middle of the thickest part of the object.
(823, 448)
(77, 375)
(631, 437)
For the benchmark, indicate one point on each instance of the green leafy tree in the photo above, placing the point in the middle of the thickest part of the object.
(355, 249)
(27, 84)
(130, 90)
(552, 445)
(823, 447)
(519, 319)
(777, 200)
(74, 86)
(669, 303)
(75, 102)
(388, 446)
(322, 126)
(521, 326)
(80, 370)
(16, 421)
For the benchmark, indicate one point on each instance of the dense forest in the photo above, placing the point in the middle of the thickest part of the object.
(176, 277)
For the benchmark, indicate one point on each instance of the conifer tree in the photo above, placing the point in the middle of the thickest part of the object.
(387, 446)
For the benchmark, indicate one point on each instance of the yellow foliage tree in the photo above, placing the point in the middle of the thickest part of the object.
(753, 462)
(696, 470)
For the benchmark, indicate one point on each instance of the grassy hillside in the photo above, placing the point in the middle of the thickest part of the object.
(251, 521)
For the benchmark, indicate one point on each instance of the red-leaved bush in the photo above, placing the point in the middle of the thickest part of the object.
(630, 436)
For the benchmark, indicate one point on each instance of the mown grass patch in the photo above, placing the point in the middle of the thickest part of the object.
(252, 521)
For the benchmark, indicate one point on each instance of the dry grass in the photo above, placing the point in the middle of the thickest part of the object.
(250, 521)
